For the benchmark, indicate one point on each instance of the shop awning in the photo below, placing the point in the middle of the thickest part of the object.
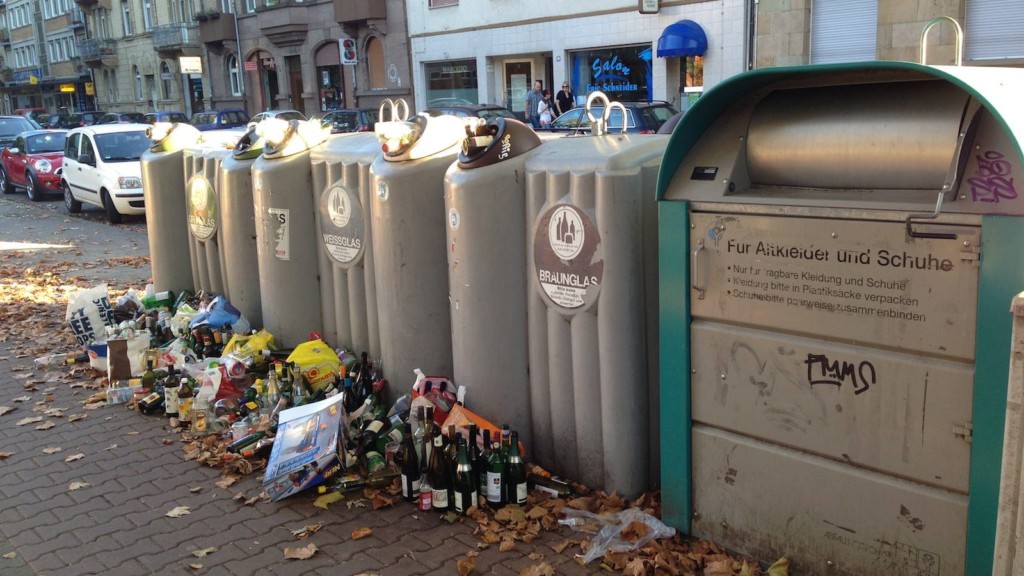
(683, 38)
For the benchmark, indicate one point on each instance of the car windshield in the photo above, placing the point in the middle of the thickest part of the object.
(204, 118)
(122, 146)
(10, 127)
(488, 113)
(43, 143)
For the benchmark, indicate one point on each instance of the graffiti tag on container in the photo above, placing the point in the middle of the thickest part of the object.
(993, 180)
(821, 370)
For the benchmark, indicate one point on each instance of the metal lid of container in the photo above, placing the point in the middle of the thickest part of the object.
(492, 141)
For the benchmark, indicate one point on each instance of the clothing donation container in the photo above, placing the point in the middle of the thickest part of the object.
(283, 200)
(408, 222)
(592, 304)
(485, 202)
(840, 247)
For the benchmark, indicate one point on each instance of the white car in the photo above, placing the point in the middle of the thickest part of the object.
(102, 168)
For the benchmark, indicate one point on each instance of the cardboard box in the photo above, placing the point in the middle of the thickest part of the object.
(307, 449)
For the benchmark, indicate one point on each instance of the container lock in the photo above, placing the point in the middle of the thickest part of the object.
(599, 126)
(491, 141)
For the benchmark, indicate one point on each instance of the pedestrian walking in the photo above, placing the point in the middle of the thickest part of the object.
(564, 100)
(533, 98)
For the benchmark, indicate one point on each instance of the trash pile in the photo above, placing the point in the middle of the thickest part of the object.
(314, 416)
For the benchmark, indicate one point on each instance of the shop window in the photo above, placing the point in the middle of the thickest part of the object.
(375, 63)
(453, 82)
(623, 73)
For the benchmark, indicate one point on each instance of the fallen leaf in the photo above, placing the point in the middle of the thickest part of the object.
(54, 413)
(634, 531)
(178, 512)
(307, 530)
(74, 457)
(196, 566)
(52, 449)
(300, 553)
(111, 447)
(226, 482)
(535, 556)
(204, 551)
(22, 399)
(11, 555)
(542, 569)
(29, 420)
(509, 514)
(722, 567)
(536, 513)
(76, 417)
(779, 568)
(46, 425)
(561, 546)
(6, 455)
(78, 485)
(465, 566)
(327, 499)
(506, 546)
(360, 533)
(6, 410)
(195, 489)
(635, 567)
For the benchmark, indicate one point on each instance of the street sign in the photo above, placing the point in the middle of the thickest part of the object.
(250, 66)
(90, 89)
(190, 64)
(347, 48)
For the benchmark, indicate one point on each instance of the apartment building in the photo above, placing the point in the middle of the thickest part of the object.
(41, 65)
(793, 32)
(491, 52)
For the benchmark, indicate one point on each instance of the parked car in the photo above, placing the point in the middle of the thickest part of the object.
(33, 163)
(279, 114)
(165, 116)
(102, 167)
(122, 118)
(485, 111)
(350, 120)
(218, 119)
(641, 117)
(11, 126)
(68, 120)
(34, 113)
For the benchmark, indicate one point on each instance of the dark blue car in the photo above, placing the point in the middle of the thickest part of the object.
(219, 119)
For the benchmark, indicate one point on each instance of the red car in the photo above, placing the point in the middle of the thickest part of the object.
(33, 162)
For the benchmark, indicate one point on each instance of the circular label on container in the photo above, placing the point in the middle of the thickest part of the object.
(567, 256)
(454, 219)
(341, 224)
(202, 207)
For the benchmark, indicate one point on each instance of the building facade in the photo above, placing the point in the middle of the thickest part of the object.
(493, 52)
(286, 54)
(41, 67)
(794, 32)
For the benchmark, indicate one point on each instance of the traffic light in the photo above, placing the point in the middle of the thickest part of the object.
(348, 51)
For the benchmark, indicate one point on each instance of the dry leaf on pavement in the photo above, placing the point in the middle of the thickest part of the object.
(11, 555)
(78, 485)
(360, 533)
(300, 553)
(52, 449)
(6, 410)
(779, 568)
(46, 425)
(226, 482)
(535, 556)
(307, 530)
(465, 565)
(195, 489)
(204, 551)
(196, 566)
(22, 399)
(542, 569)
(76, 417)
(719, 567)
(327, 499)
(6, 455)
(74, 457)
(506, 545)
(29, 420)
(178, 511)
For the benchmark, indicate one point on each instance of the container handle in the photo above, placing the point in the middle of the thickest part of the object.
(399, 110)
(935, 214)
(597, 125)
(959, 45)
(697, 267)
(608, 114)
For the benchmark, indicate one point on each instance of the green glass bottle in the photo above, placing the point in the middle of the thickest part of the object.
(463, 487)
(496, 474)
(515, 473)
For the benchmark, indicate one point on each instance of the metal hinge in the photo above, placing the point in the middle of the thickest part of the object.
(964, 431)
(970, 251)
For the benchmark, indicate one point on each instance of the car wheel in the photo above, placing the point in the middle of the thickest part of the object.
(5, 184)
(73, 206)
(108, 204)
(35, 193)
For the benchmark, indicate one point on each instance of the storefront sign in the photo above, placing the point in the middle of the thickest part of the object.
(622, 73)
(90, 89)
(649, 6)
(67, 88)
(190, 64)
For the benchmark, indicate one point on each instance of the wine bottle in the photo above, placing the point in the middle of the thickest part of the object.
(481, 462)
(418, 438)
(451, 456)
(515, 473)
(463, 486)
(149, 376)
(473, 450)
(172, 386)
(410, 466)
(496, 475)
(437, 473)
(428, 434)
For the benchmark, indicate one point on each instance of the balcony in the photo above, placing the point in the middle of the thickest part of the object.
(356, 11)
(90, 4)
(176, 39)
(215, 27)
(98, 52)
(284, 23)
(5, 36)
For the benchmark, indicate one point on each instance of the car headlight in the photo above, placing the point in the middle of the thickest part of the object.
(42, 165)
(129, 182)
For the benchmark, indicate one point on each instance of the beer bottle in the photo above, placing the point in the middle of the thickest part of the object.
(463, 488)
(149, 376)
(184, 402)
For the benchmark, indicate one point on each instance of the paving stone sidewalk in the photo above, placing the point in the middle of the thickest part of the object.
(117, 524)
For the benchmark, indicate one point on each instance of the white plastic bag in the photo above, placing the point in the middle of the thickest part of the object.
(88, 314)
(609, 537)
